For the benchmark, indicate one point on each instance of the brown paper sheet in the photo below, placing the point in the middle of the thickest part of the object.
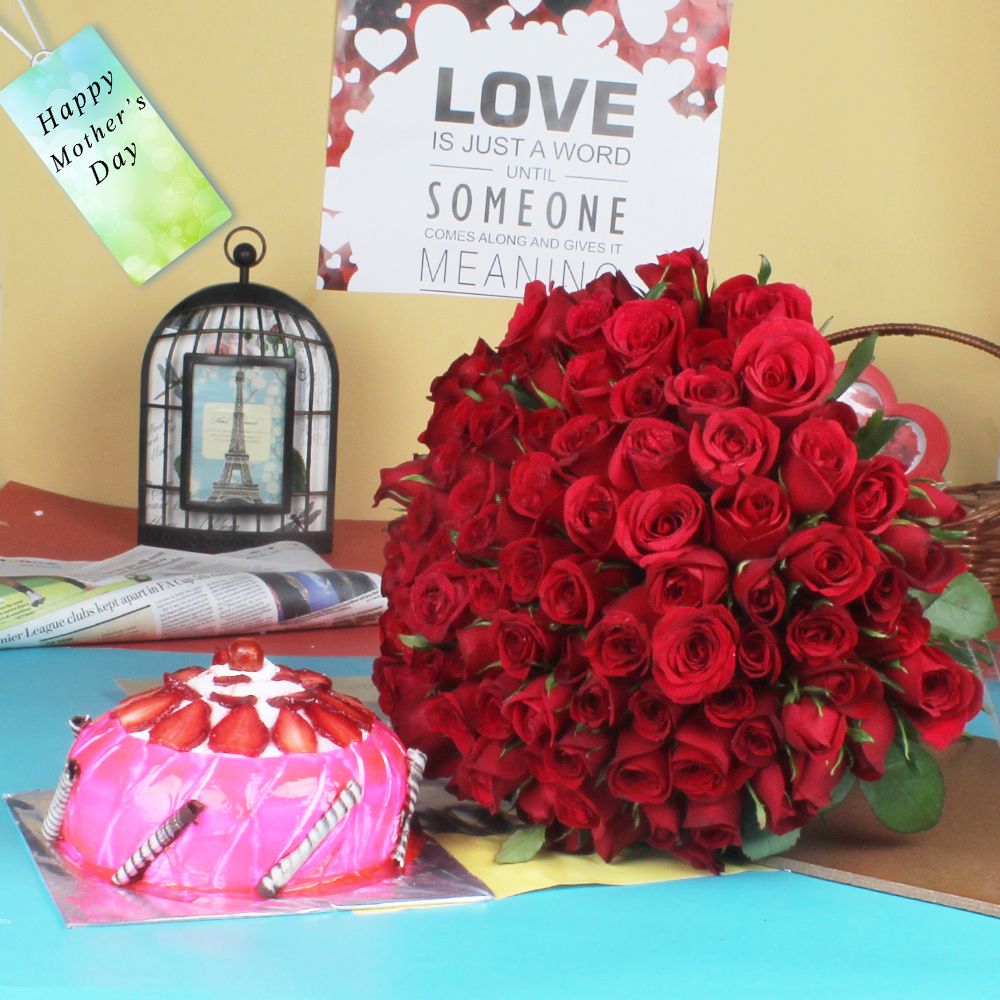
(955, 863)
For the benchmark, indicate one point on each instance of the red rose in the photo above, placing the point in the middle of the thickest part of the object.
(732, 444)
(820, 634)
(934, 503)
(756, 741)
(730, 706)
(537, 713)
(815, 778)
(490, 772)
(622, 829)
(662, 520)
(448, 714)
(940, 695)
(771, 786)
(536, 802)
(585, 807)
(650, 453)
(590, 514)
(700, 392)
(748, 304)
(536, 485)
(523, 641)
(589, 378)
(639, 772)
(487, 711)
(759, 655)
(575, 589)
(750, 520)
(416, 727)
(722, 296)
(584, 444)
(535, 429)
(814, 729)
(523, 564)
(577, 756)
(818, 462)
(760, 591)
(539, 316)
(491, 421)
(704, 348)
(869, 756)
(654, 715)
(835, 562)
(786, 366)
(618, 645)
(716, 825)
(639, 394)
(694, 651)
(692, 576)
(910, 631)
(929, 565)
(875, 495)
(645, 332)
(883, 600)
(701, 765)
(684, 272)
(584, 320)
(437, 599)
(598, 701)
(853, 688)
(664, 819)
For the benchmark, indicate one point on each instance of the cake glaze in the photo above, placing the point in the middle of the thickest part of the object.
(260, 784)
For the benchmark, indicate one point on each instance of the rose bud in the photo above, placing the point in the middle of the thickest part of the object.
(934, 503)
(584, 444)
(818, 462)
(645, 332)
(578, 755)
(662, 520)
(524, 562)
(716, 825)
(730, 706)
(869, 756)
(697, 393)
(536, 485)
(748, 303)
(589, 378)
(618, 645)
(654, 715)
(705, 348)
(760, 591)
(664, 819)
(638, 772)
(854, 689)
(756, 741)
(693, 576)
(651, 453)
(694, 651)
(820, 634)
(701, 765)
(590, 513)
(815, 778)
(910, 631)
(490, 772)
(639, 394)
(833, 561)
(584, 319)
(759, 655)
(537, 712)
(574, 589)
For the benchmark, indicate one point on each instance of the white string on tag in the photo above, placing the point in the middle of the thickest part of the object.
(42, 52)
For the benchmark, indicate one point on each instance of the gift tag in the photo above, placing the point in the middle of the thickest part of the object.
(103, 141)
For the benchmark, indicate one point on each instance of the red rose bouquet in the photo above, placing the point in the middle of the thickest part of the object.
(653, 583)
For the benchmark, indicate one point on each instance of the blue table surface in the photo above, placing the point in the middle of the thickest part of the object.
(772, 934)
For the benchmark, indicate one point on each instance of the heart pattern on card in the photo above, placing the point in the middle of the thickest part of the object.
(593, 28)
(380, 48)
(524, 7)
(645, 20)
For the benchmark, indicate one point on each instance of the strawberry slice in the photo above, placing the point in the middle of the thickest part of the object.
(293, 734)
(312, 679)
(184, 729)
(350, 707)
(297, 699)
(232, 700)
(333, 725)
(219, 657)
(142, 710)
(240, 732)
(175, 682)
(246, 654)
(284, 673)
(224, 680)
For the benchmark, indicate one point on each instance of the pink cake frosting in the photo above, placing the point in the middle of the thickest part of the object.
(263, 752)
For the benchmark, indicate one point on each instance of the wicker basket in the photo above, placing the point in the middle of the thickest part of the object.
(981, 544)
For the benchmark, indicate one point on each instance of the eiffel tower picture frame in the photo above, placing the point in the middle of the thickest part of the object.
(236, 453)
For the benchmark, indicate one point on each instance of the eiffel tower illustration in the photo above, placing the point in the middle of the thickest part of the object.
(236, 482)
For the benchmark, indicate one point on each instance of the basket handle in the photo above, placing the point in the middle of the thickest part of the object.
(914, 329)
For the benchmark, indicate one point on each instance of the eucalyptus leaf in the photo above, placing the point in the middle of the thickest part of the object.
(522, 845)
(910, 795)
(964, 611)
(859, 359)
(876, 434)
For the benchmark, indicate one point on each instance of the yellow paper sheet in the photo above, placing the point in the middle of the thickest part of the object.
(636, 866)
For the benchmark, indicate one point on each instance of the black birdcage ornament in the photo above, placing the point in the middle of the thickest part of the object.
(238, 433)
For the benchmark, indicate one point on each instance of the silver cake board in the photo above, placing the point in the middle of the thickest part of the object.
(434, 878)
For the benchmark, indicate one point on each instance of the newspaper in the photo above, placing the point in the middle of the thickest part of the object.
(151, 593)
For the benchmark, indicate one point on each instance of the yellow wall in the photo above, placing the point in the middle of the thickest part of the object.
(860, 153)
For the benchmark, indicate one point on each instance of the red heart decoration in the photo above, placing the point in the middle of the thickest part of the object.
(921, 444)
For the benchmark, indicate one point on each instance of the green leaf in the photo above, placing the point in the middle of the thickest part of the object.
(550, 401)
(876, 434)
(960, 652)
(909, 797)
(522, 396)
(300, 477)
(764, 272)
(759, 844)
(859, 735)
(656, 292)
(823, 326)
(860, 358)
(964, 611)
(842, 789)
(947, 534)
(415, 641)
(522, 845)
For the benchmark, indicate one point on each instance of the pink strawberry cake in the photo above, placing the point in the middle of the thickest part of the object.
(245, 776)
